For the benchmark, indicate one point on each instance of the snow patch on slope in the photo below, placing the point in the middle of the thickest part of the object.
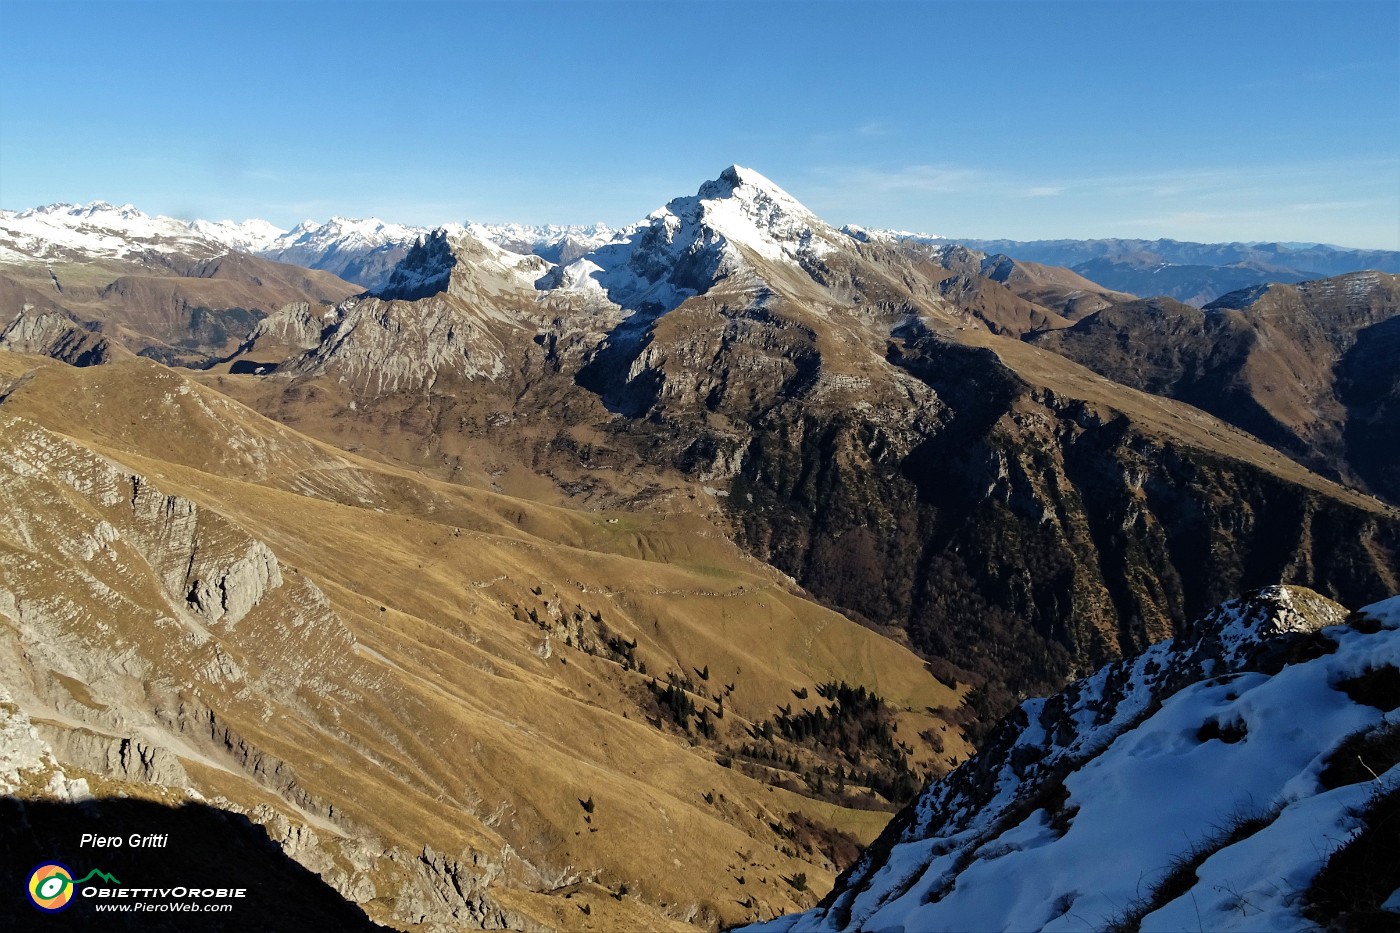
(1082, 803)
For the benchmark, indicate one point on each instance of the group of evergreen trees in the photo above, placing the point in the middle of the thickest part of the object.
(623, 651)
(677, 701)
(856, 724)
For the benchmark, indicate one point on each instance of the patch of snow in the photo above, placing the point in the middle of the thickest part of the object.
(868, 235)
(1144, 763)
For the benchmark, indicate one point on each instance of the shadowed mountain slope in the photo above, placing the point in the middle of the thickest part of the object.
(1303, 367)
(853, 424)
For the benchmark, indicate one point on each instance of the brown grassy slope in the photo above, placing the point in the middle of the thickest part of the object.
(1270, 360)
(434, 718)
(185, 309)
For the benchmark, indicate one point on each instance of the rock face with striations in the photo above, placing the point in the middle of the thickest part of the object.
(142, 629)
(55, 334)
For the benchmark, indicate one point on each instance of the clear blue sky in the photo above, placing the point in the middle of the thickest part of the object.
(1193, 120)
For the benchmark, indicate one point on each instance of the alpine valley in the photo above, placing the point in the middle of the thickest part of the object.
(573, 578)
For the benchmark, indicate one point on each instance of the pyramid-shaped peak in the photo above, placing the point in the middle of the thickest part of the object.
(741, 208)
(746, 184)
(739, 175)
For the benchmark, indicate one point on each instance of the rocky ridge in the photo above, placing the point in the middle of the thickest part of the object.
(1297, 365)
(228, 621)
(1214, 766)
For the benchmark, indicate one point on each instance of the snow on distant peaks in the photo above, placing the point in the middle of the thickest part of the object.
(343, 232)
(251, 236)
(97, 230)
(735, 223)
(554, 242)
(867, 235)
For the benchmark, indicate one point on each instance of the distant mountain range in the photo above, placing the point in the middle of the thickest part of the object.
(556, 555)
(1193, 273)
(365, 251)
(360, 251)
(736, 316)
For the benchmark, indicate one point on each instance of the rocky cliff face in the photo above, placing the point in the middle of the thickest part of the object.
(454, 308)
(998, 504)
(139, 629)
(58, 780)
(1028, 532)
(56, 335)
(1204, 783)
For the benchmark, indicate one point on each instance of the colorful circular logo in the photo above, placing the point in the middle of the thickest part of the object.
(51, 887)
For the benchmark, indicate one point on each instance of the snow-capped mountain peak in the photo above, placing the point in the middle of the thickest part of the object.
(752, 211)
(751, 186)
(685, 247)
(99, 230)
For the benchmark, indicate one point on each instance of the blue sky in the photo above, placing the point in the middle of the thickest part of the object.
(1192, 120)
